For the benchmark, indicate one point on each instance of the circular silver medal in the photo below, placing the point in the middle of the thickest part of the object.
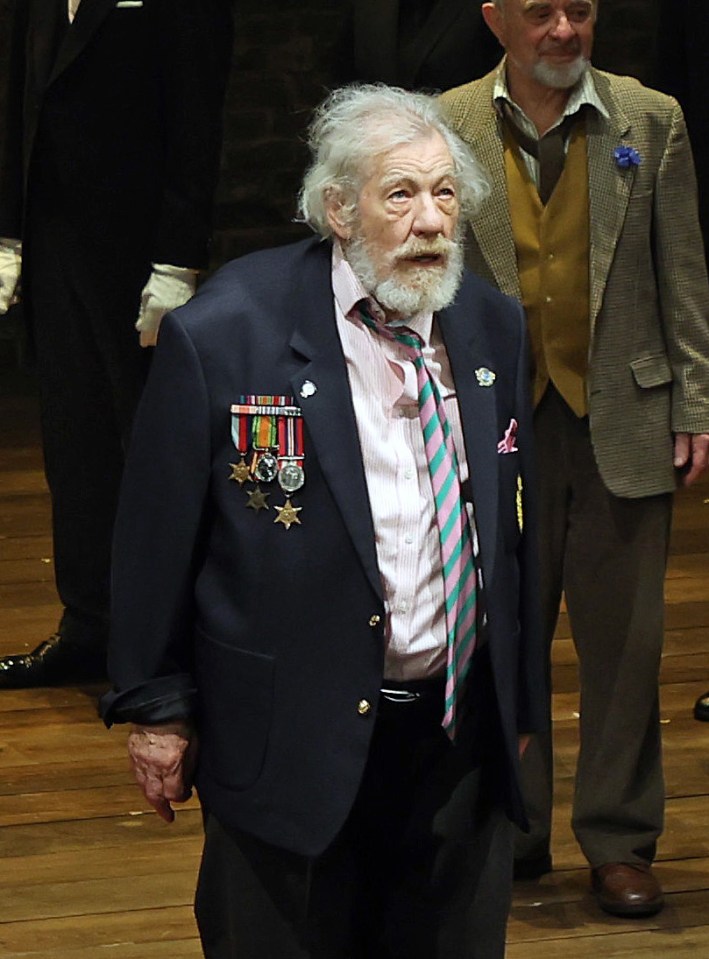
(291, 477)
(266, 468)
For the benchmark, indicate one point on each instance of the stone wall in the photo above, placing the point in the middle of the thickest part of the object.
(284, 60)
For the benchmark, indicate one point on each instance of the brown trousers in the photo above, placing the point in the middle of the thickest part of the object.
(608, 555)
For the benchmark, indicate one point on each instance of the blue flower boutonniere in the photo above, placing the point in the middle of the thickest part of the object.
(627, 157)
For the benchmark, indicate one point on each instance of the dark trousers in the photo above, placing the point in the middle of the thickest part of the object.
(82, 307)
(421, 869)
(608, 556)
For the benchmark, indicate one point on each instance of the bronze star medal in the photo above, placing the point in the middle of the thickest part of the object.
(239, 472)
(257, 499)
(288, 514)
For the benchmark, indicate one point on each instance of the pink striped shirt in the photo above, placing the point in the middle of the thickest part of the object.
(385, 397)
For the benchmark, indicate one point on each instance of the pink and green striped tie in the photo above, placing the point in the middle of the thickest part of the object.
(458, 563)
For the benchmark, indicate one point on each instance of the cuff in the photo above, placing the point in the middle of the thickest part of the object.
(162, 700)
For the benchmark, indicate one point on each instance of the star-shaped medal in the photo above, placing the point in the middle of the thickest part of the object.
(257, 499)
(288, 514)
(239, 472)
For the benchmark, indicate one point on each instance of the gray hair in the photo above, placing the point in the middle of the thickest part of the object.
(356, 124)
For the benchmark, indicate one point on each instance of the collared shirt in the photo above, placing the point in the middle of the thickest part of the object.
(583, 94)
(73, 6)
(385, 397)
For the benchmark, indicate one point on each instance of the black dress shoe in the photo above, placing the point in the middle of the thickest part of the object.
(532, 867)
(701, 708)
(55, 662)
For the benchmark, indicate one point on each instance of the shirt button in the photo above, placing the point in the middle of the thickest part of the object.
(403, 606)
(364, 707)
(375, 620)
(550, 256)
(547, 299)
(408, 538)
(408, 473)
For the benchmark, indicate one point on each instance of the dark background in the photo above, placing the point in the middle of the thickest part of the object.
(286, 56)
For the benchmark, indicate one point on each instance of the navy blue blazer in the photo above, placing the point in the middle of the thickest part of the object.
(269, 636)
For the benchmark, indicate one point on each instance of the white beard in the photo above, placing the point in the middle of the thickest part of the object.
(424, 290)
(560, 77)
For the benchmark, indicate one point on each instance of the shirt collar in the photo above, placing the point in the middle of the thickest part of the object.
(348, 290)
(583, 94)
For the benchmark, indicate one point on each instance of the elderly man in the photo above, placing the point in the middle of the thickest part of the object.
(592, 224)
(324, 565)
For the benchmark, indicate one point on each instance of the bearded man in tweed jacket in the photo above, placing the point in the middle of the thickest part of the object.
(592, 223)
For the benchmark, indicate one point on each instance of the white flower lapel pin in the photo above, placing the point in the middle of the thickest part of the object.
(484, 376)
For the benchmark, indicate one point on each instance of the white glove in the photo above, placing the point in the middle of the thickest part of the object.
(10, 267)
(167, 288)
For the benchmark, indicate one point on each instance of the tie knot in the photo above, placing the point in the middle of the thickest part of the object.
(397, 332)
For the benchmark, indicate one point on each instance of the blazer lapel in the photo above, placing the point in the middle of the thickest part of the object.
(608, 190)
(467, 353)
(46, 21)
(90, 16)
(491, 226)
(321, 386)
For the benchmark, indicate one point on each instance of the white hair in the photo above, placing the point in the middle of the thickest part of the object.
(358, 123)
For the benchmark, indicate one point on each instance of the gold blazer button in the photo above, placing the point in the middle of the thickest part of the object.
(364, 707)
(375, 620)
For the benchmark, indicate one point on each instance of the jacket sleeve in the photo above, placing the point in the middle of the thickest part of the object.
(682, 280)
(194, 53)
(157, 539)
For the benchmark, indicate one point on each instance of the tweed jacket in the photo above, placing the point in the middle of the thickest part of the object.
(649, 346)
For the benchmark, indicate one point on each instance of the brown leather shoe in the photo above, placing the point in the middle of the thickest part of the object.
(627, 889)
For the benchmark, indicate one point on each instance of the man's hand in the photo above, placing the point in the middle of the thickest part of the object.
(691, 455)
(167, 288)
(10, 268)
(163, 759)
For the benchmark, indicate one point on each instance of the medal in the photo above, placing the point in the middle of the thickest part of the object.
(291, 475)
(266, 467)
(267, 432)
(239, 434)
(257, 499)
(288, 514)
(239, 471)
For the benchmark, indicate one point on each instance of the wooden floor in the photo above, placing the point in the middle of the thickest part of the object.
(86, 871)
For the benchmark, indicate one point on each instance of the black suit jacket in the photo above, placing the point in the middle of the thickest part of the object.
(114, 125)
(451, 46)
(282, 631)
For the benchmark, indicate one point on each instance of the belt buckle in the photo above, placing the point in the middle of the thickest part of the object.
(400, 695)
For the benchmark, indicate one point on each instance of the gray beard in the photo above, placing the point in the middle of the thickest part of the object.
(560, 78)
(423, 291)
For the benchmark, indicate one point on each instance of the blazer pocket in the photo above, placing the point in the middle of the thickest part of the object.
(129, 4)
(652, 370)
(235, 690)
